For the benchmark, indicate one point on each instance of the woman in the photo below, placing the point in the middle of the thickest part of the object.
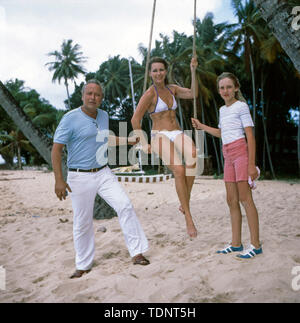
(167, 139)
(239, 168)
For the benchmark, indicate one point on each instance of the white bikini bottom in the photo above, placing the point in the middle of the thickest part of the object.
(170, 134)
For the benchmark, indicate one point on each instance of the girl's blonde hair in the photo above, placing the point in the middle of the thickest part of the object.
(238, 95)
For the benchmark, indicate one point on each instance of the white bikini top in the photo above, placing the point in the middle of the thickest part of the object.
(161, 105)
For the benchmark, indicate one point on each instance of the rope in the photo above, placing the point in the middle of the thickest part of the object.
(199, 139)
(149, 47)
(194, 55)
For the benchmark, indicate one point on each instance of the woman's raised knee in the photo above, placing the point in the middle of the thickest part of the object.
(178, 171)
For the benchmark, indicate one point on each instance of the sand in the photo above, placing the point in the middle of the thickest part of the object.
(37, 254)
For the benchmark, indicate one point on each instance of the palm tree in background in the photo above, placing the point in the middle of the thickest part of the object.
(67, 64)
(247, 36)
(12, 144)
(113, 74)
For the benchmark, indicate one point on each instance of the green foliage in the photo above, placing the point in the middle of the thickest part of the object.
(42, 114)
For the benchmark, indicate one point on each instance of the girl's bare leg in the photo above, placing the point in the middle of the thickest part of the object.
(245, 197)
(235, 213)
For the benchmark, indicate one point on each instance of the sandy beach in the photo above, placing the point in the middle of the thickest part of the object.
(37, 253)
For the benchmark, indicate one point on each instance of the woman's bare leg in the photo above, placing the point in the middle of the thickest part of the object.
(184, 197)
(166, 150)
(187, 149)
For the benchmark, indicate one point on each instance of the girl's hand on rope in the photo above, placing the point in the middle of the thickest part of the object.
(196, 123)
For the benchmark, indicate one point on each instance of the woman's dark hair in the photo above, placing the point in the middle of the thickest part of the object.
(159, 60)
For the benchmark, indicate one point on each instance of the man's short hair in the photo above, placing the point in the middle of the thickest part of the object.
(93, 81)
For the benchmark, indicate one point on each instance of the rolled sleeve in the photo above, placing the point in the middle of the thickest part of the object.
(63, 131)
(245, 116)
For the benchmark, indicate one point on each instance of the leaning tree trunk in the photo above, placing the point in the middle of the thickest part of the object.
(279, 18)
(43, 144)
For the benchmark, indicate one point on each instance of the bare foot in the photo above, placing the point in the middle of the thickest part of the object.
(191, 230)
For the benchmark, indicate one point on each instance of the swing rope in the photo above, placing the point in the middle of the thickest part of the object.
(194, 70)
(149, 47)
(198, 134)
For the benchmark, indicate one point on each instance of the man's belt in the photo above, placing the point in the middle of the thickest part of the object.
(93, 170)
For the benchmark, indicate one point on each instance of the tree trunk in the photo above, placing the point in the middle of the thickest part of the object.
(215, 149)
(19, 157)
(279, 18)
(253, 86)
(43, 144)
(203, 121)
(219, 139)
(180, 115)
(265, 126)
(68, 95)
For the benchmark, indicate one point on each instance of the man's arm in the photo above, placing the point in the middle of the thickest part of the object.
(120, 141)
(60, 185)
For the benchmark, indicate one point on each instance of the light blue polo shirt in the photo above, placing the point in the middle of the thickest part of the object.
(86, 138)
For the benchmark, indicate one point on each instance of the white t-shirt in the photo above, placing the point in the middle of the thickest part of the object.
(232, 121)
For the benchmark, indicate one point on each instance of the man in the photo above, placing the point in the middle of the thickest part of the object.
(84, 131)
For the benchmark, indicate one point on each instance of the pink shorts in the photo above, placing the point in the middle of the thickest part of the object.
(236, 161)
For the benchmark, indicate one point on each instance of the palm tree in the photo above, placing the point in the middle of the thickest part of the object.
(247, 35)
(113, 74)
(67, 64)
(13, 143)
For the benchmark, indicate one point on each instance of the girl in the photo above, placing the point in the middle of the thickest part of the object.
(239, 166)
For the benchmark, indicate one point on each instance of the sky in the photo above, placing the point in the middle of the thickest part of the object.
(29, 29)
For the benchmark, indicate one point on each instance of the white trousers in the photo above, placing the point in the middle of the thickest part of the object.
(84, 188)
